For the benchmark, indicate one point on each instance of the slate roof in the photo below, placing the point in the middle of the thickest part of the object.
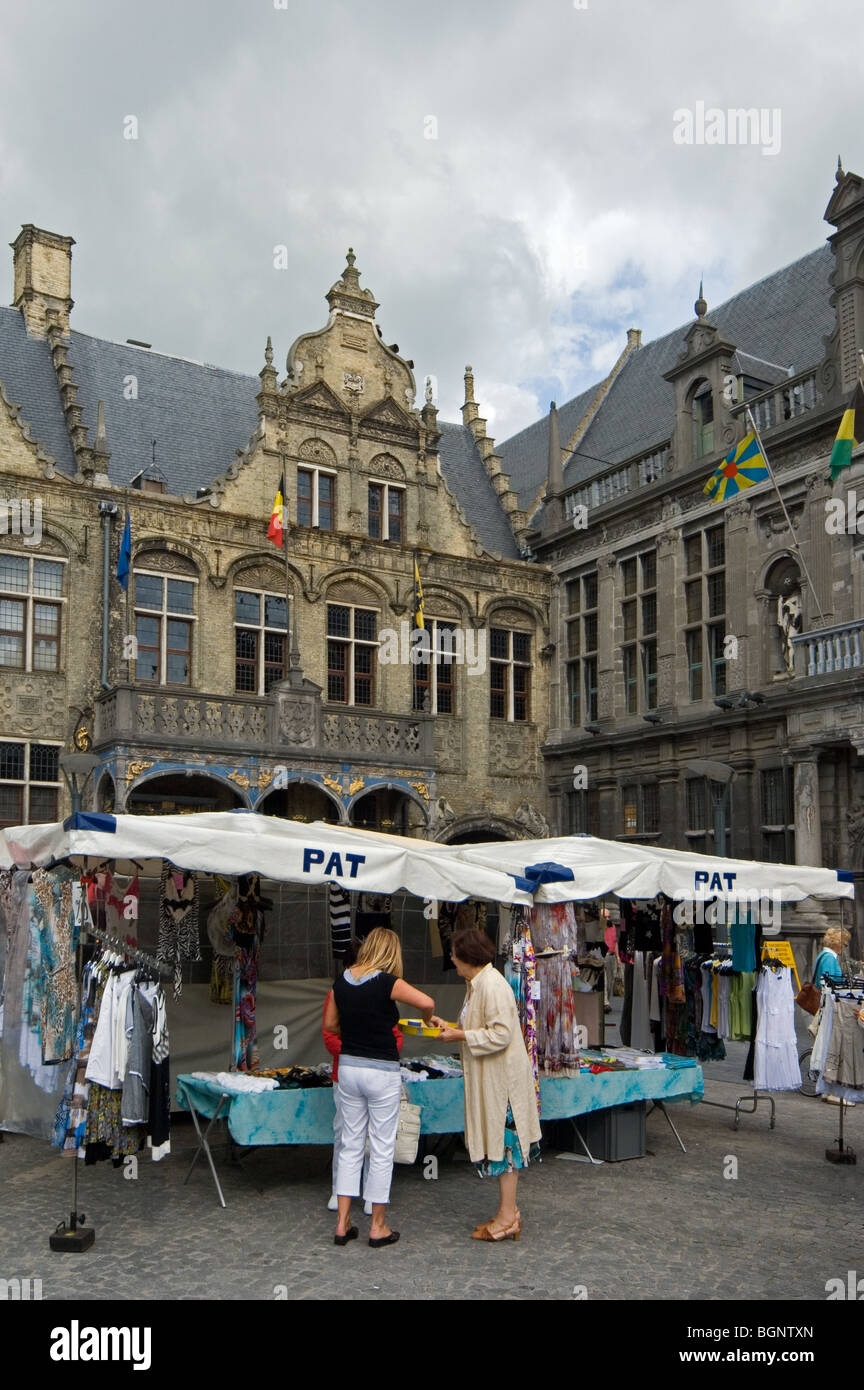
(782, 319)
(467, 478)
(198, 414)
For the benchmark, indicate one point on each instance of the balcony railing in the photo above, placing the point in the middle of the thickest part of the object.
(829, 650)
(289, 722)
(783, 402)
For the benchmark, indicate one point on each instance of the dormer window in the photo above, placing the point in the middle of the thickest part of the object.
(703, 421)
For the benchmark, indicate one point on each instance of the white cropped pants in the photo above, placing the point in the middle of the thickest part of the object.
(369, 1102)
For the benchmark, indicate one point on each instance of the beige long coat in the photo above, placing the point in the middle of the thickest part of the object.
(496, 1068)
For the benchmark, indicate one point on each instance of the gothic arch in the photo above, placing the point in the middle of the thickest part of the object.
(347, 574)
(317, 451)
(200, 770)
(165, 546)
(408, 792)
(532, 611)
(301, 780)
(501, 826)
(263, 559)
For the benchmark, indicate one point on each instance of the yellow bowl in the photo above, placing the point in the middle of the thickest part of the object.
(417, 1028)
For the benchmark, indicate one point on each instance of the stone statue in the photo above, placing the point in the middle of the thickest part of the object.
(442, 814)
(532, 821)
(790, 621)
(429, 400)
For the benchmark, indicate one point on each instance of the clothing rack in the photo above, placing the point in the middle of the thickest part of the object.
(756, 1096)
(840, 1151)
(75, 1236)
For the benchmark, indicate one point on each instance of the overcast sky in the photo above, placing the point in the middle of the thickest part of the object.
(553, 211)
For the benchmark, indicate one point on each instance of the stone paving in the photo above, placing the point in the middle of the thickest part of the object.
(668, 1226)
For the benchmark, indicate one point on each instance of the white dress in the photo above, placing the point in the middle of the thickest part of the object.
(775, 1063)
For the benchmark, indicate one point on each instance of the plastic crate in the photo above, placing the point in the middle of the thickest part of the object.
(614, 1134)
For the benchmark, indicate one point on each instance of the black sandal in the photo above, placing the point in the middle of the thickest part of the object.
(351, 1234)
(377, 1241)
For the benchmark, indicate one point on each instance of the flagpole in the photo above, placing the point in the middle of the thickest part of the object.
(795, 545)
(293, 662)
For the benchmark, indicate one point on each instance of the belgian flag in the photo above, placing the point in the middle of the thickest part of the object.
(277, 516)
(850, 433)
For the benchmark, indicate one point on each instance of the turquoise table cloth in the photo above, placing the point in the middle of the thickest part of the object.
(306, 1117)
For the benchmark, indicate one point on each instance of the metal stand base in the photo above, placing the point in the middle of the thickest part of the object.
(842, 1153)
(69, 1239)
(659, 1105)
(203, 1144)
(744, 1100)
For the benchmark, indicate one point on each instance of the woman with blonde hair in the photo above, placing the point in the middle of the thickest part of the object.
(828, 961)
(362, 1011)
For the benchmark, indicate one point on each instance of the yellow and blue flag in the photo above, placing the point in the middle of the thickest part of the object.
(742, 467)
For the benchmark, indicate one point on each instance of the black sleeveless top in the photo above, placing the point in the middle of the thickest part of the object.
(367, 1017)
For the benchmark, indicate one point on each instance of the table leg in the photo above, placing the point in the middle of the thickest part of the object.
(577, 1158)
(658, 1105)
(203, 1140)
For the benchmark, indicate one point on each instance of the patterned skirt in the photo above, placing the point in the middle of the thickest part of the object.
(513, 1160)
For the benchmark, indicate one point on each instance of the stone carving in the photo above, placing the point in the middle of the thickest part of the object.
(316, 451)
(136, 768)
(511, 750)
(261, 577)
(297, 722)
(168, 716)
(532, 821)
(241, 778)
(159, 559)
(354, 382)
(356, 785)
(386, 466)
(442, 815)
(512, 617)
(855, 819)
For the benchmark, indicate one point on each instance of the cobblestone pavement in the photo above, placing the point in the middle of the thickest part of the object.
(668, 1226)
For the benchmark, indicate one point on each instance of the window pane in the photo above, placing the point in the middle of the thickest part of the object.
(274, 659)
(13, 573)
(649, 570)
(304, 497)
(716, 547)
(629, 615)
(275, 612)
(46, 619)
(497, 691)
(363, 659)
(445, 642)
(773, 798)
(394, 510)
(246, 664)
(12, 761)
(573, 639)
(521, 646)
(693, 552)
(573, 593)
(44, 654)
(590, 632)
(43, 804)
(179, 635)
(630, 809)
(589, 590)
(147, 631)
(11, 615)
(336, 653)
(47, 577)
(716, 595)
(631, 692)
(696, 804)
(177, 669)
(574, 676)
(694, 601)
(12, 805)
(628, 576)
(247, 607)
(376, 492)
(181, 596)
(649, 614)
(148, 591)
(650, 809)
(326, 495)
(338, 621)
(365, 624)
(44, 762)
(499, 643)
(12, 651)
(591, 688)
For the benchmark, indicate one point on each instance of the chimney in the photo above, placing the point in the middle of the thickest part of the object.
(42, 264)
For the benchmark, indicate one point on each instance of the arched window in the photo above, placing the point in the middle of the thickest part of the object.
(703, 420)
(166, 600)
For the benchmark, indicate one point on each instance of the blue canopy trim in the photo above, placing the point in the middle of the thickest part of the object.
(845, 875)
(91, 820)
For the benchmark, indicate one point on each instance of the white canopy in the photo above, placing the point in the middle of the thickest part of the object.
(574, 867)
(562, 869)
(241, 842)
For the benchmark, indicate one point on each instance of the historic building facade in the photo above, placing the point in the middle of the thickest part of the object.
(230, 673)
(688, 631)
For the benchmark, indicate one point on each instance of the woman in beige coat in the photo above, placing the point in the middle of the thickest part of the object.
(502, 1124)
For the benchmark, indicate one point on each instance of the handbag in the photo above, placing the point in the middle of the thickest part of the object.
(407, 1131)
(809, 998)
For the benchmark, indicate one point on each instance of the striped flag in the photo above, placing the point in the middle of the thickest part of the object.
(277, 516)
(742, 467)
(418, 598)
(850, 433)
